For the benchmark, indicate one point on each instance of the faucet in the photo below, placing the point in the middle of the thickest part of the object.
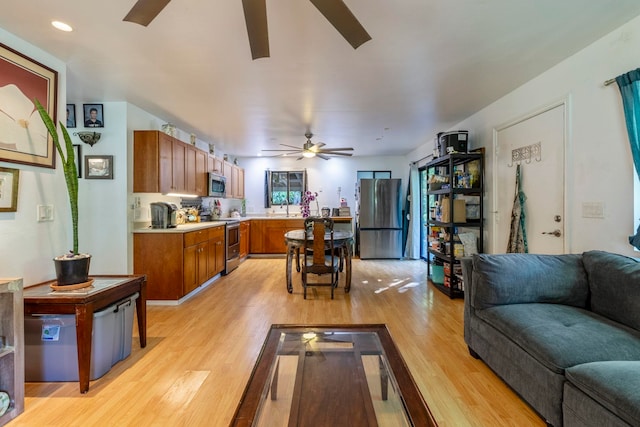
(285, 202)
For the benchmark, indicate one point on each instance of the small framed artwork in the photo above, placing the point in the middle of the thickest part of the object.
(77, 152)
(71, 116)
(9, 189)
(93, 116)
(98, 167)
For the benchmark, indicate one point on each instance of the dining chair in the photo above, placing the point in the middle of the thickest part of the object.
(320, 257)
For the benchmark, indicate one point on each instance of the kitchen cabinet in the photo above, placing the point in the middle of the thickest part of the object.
(12, 350)
(195, 258)
(216, 252)
(245, 233)
(175, 262)
(235, 180)
(196, 165)
(163, 164)
(449, 216)
(267, 235)
(214, 164)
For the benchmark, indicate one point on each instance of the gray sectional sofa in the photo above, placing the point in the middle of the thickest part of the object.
(563, 331)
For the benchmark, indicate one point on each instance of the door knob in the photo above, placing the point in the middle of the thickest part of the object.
(556, 233)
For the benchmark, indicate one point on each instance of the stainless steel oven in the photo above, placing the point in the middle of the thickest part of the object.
(232, 244)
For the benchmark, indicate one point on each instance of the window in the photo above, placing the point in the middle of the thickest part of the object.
(373, 175)
(284, 187)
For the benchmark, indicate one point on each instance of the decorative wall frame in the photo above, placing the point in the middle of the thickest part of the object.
(98, 167)
(9, 179)
(71, 116)
(21, 81)
(93, 115)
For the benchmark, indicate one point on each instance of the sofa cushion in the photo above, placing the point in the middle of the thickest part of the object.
(527, 278)
(614, 281)
(614, 385)
(561, 336)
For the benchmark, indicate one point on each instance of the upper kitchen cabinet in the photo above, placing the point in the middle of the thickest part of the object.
(215, 165)
(196, 171)
(163, 164)
(235, 180)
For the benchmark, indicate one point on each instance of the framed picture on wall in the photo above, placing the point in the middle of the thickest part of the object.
(21, 81)
(71, 116)
(93, 115)
(98, 167)
(9, 189)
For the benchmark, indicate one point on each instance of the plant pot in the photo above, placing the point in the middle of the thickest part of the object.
(72, 269)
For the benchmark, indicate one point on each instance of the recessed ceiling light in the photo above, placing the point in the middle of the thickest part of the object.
(61, 26)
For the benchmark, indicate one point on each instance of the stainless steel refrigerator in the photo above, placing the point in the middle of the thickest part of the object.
(380, 219)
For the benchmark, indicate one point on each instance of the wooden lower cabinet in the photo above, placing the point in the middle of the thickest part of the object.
(267, 235)
(245, 233)
(216, 251)
(178, 263)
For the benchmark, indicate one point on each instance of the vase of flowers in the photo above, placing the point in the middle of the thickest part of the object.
(307, 197)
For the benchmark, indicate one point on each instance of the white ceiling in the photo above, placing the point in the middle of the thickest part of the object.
(430, 64)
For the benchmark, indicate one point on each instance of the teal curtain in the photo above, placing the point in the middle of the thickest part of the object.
(629, 85)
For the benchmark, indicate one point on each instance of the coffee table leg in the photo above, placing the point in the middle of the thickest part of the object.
(384, 379)
(274, 381)
(84, 331)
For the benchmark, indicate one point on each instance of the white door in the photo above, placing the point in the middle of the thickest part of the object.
(537, 142)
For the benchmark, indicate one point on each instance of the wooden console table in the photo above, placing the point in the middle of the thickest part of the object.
(106, 290)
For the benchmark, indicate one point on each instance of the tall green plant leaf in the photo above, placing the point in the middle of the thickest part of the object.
(68, 166)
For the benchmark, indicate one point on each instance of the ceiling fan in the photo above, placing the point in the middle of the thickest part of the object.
(309, 149)
(255, 15)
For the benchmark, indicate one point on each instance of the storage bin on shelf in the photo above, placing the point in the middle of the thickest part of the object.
(51, 351)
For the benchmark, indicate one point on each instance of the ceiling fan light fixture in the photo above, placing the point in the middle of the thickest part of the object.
(308, 154)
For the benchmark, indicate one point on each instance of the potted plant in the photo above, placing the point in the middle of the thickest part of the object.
(72, 268)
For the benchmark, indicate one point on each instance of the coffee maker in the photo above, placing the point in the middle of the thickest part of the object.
(163, 215)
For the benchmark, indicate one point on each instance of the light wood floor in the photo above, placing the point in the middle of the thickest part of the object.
(200, 354)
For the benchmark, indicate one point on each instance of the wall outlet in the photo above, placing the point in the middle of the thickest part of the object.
(44, 213)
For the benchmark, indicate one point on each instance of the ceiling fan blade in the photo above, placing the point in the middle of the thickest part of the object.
(339, 15)
(336, 149)
(292, 146)
(322, 156)
(145, 11)
(288, 150)
(331, 153)
(255, 16)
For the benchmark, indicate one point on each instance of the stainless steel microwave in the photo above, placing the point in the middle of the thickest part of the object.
(217, 185)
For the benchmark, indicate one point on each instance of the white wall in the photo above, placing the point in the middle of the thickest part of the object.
(323, 176)
(599, 165)
(27, 246)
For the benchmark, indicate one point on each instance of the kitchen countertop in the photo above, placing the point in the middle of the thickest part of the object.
(193, 226)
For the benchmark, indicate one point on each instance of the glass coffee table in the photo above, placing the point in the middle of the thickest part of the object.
(331, 375)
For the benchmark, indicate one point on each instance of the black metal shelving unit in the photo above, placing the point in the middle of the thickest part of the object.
(446, 166)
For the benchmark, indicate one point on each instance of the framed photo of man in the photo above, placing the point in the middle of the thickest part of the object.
(93, 117)
(71, 116)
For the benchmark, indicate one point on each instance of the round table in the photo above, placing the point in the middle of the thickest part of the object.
(341, 239)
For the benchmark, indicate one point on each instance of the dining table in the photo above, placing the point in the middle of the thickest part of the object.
(343, 240)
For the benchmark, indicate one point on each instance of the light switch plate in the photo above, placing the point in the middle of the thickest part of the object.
(44, 213)
(593, 210)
